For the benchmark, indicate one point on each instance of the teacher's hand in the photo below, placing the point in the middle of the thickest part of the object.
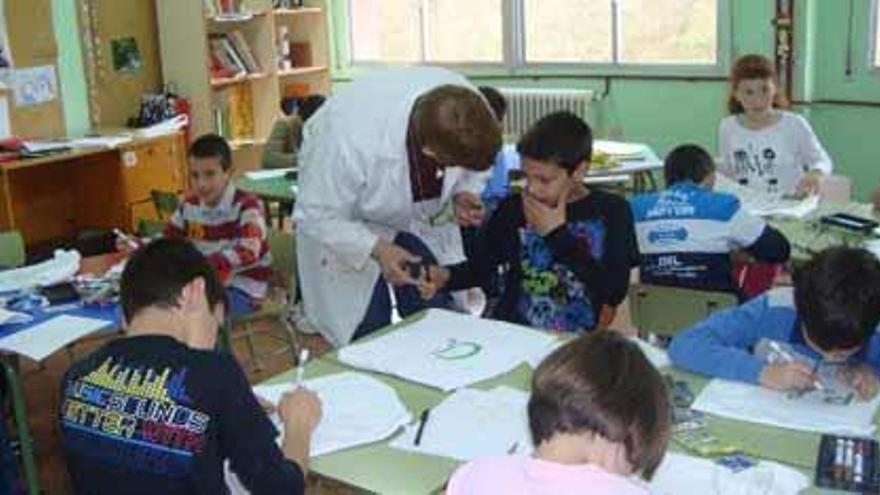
(468, 209)
(394, 261)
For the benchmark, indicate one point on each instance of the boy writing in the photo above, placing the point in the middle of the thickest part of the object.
(158, 411)
(830, 315)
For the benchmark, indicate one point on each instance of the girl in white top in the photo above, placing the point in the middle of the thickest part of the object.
(763, 146)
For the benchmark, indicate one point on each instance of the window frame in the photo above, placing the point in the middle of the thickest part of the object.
(514, 62)
(873, 42)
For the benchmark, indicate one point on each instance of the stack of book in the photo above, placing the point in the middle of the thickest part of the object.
(231, 55)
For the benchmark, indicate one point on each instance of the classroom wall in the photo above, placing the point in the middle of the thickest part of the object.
(664, 113)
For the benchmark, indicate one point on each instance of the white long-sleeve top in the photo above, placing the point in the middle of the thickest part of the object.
(354, 187)
(772, 159)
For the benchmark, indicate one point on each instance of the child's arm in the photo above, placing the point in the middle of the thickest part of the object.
(247, 248)
(497, 246)
(720, 345)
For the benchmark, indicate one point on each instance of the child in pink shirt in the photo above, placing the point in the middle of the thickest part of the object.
(599, 415)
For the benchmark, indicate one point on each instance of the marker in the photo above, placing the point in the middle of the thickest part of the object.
(300, 367)
(126, 238)
(423, 420)
(788, 358)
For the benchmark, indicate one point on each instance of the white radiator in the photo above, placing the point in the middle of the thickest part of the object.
(526, 105)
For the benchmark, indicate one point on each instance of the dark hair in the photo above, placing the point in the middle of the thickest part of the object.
(560, 137)
(308, 105)
(837, 295)
(496, 101)
(687, 162)
(455, 123)
(157, 273)
(751, 66)
(603, 383)
(212, 146)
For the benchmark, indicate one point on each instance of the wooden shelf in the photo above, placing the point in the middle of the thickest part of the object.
(301, 71)
(299, 11)
(237, 144)
(235, 19)
(228, 81)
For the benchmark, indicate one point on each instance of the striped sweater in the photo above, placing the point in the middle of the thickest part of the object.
(231, 235)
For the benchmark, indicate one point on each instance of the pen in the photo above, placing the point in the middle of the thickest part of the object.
(789, 359)
(126, 238)
(423, 419)
(300, 367)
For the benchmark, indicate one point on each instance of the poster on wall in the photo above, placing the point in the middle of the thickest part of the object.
(34, 85)
(6, 63)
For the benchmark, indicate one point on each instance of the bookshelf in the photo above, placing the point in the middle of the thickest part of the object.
(229, 64)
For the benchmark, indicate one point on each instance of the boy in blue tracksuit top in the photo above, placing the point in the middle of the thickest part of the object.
(687, 232)
(830, 315)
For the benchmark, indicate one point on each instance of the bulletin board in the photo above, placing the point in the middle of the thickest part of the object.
(32, 42)
(124, 62)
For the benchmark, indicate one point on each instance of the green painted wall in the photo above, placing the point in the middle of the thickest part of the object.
(70, 67)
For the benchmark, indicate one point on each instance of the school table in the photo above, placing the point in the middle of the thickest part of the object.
(278, 190)
(380, 469)
(10, 363)
(55, 196)
(808, 236)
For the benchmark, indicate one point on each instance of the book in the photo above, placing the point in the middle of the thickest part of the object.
(240, 43)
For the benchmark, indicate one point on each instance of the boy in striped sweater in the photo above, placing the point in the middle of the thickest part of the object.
(227, 225)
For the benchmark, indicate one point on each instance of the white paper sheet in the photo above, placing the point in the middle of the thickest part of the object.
(746, 402)
(357, 409)
(447, 350)
(267, 174)
(35, 85)
(473, 423)
(681, 474)
(107, 142)
(619, 149)
(61, 267)
(41, 340)
(163, 128)
(46, 146)
(760, 204)
(8, 317)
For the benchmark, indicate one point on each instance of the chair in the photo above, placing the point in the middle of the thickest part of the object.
(664, 311)
(282, 247)
(12, 252)
(165, 202)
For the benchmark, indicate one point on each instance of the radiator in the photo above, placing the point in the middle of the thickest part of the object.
(526, 105)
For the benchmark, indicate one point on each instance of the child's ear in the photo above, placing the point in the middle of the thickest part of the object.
(193, 294)
(581, 171)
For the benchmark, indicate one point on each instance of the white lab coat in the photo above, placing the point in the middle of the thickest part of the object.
(354, 187)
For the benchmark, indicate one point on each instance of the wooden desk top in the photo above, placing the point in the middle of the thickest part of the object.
(74, 154)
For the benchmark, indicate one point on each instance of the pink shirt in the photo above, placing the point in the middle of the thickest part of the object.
(517, 475)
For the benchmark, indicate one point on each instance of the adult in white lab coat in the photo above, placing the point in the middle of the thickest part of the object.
(396, 152)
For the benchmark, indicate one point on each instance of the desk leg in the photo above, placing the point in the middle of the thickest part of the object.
(652, 180)
(10, 365)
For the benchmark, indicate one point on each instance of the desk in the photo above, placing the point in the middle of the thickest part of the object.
(9, 365)
(53, 197)
(379, 468)
(270, 190)
(807, 236)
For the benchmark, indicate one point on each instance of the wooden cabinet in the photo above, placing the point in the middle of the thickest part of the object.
(55, 197)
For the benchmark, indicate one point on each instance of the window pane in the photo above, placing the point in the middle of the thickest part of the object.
(385, 30)
(568, 30)
(462, 31)
(669, 31)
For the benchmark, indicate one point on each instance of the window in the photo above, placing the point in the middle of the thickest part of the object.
(875, 34)
(524, 33)
(439, 31)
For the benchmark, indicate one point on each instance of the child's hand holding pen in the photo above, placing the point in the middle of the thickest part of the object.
(432, 279)
(125, 243)
(787, 373)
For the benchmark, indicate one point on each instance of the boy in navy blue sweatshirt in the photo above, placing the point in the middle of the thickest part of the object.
(831, 315)
(564, 252)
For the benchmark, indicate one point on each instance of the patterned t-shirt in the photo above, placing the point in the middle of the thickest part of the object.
(147, 414)
(559, 281)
